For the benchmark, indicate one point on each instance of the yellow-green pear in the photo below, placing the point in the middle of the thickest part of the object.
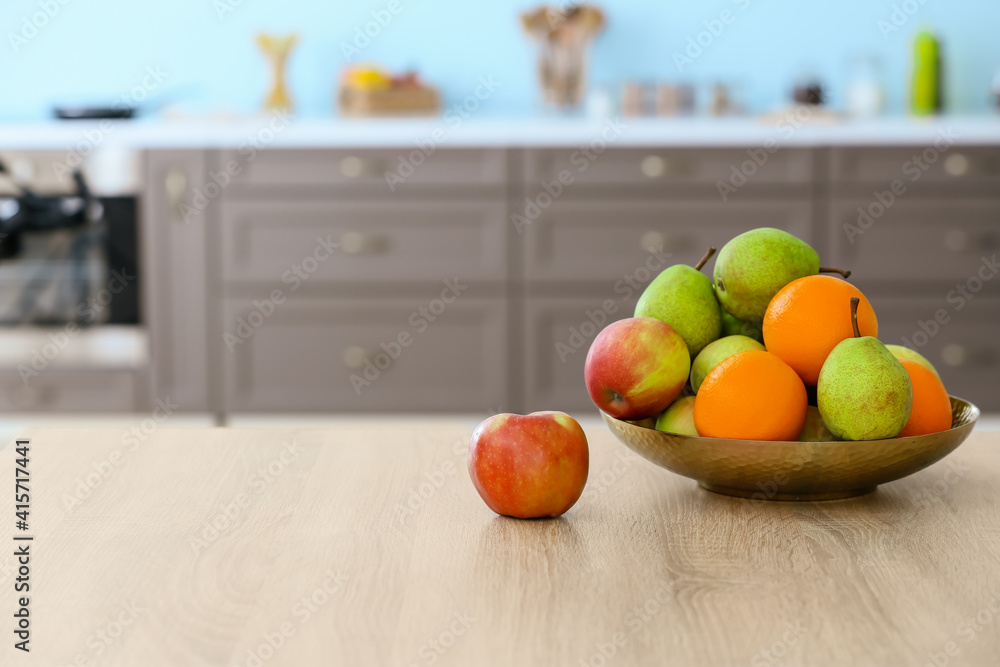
(682, 296)
(863, 392)
(678, 418)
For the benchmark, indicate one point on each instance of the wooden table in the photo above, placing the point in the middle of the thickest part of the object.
(366, 544)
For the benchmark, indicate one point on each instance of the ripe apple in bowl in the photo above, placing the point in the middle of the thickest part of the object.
(529, 466)
(636, 367)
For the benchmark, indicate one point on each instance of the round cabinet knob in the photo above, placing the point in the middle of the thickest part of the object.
(352, 243)
(956, 240)
(351, 166)
(653, 166)
(956, 164)
(651, 241)
(953, 355)
(355, 357)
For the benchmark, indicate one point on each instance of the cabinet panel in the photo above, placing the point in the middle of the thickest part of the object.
(653, 168)
(942, 164)
(965, 348)
(71, 391)
(303, 356)
(603, 240)
(558, 334)
(352, 242)
(176, 284)
(366, 168)
(940, 239)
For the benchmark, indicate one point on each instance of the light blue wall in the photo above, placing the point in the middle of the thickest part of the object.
(99, 49)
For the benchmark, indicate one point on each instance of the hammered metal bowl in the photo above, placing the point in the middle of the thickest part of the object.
(781, 470)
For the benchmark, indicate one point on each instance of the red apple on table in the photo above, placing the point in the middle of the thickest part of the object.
(636, 367)
(529, 466)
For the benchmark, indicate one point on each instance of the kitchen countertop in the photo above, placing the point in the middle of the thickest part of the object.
(365, 543)
(454, 131)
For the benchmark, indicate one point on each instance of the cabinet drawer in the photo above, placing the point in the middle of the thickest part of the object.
(604, 240)
(303, 356)
(366, 169)
(955, 166)
(69, 391)
(655, 168)
(559, 332)
(915, 239)
(375, 242)
(965, 349)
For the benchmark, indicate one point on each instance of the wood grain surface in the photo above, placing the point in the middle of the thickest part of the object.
(366, 544)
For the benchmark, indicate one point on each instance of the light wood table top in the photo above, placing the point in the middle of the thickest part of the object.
(366, 544)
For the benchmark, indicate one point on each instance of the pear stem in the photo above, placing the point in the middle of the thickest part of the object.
(704, 260)
(826, 269)
(854, 316)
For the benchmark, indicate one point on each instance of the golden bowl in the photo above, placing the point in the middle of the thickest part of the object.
(781, 470)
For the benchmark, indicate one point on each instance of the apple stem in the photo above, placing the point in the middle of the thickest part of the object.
(827, 269)
(704, 260)
(854, 316)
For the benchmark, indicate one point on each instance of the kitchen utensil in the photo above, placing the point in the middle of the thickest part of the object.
(764, 470)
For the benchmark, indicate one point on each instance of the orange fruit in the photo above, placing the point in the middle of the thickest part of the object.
(808, 317)
(931, 412)
(752, 395)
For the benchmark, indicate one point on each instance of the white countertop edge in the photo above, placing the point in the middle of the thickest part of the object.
(450, 131)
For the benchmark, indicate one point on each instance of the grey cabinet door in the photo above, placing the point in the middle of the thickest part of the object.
(384, 355)
(651, 169)
(558, 334)
(71, 391)
(939, 163)
(363, 242)
(603, 240)
(914, 239)
(364, 170)
(176, 285)
(958, 335)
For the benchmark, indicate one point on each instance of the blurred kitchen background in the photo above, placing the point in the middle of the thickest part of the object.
(227, 210)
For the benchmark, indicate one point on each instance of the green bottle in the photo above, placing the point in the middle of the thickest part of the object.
(925, 87)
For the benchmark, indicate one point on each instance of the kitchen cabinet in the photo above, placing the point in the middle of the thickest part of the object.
(599, 240)
(347, 243)
(368, 355)
(539, 282)
(58, 390)
(176, 292)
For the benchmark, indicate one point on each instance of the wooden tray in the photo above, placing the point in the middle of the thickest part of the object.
(424, 101)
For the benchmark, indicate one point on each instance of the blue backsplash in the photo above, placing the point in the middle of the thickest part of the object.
(202, 53)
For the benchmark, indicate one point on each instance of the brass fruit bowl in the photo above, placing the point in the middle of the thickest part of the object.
(778, 470)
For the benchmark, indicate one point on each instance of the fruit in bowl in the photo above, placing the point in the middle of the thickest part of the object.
(636, 367)
(678, 418)
(683, 297)
(864, 393)
(717, 352)
(806, 319)
(755, 265)
(745, 425)
(752, 395)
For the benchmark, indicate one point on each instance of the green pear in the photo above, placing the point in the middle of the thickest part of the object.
(682, 296)
(863, 392)
(731, 326)
(679, 417)
(755, 265)
(716, 352)
(902, 353)
(814, 430)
